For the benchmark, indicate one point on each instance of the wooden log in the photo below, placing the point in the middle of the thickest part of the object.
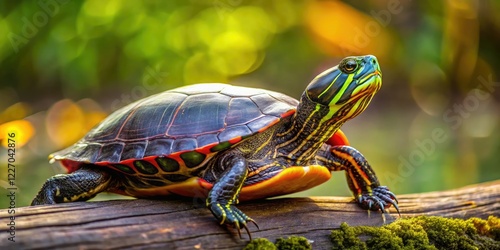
(186, 224)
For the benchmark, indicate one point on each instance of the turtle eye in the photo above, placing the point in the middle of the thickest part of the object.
(348, 65)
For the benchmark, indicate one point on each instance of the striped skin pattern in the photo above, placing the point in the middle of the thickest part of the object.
(227, 144)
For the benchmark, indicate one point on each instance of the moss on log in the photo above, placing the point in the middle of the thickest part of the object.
(186, 224)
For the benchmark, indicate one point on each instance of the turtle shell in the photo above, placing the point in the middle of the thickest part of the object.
(178, 129)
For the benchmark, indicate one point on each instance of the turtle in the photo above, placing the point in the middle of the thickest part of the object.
(227, 144)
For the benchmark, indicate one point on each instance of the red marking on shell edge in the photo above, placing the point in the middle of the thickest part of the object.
(206, 149)
(125, 162)
(71, 166)
(269, 125)
(177, 155)
(235, 140)
(288, 113)
(338, 139)
(205, 184)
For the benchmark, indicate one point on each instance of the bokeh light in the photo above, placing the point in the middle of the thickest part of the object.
(19, 131)
(440, 63)
(342, 30)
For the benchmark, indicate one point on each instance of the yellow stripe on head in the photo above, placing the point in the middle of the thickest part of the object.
(345, 86)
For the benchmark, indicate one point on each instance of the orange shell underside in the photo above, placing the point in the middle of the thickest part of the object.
(290, 180)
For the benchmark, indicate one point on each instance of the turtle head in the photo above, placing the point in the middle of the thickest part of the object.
(346, 88)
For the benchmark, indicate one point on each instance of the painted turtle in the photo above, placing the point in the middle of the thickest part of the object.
(227, 143)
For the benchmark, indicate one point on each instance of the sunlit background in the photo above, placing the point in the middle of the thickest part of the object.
(434, 125)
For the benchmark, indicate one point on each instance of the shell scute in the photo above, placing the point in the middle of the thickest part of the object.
(88, 154)
(256, 125)
(195, 116)
(240, 109)
(233, 132)
(269, 105)
(159, 146)
(133, 150)
(203, 118)
(111, 152)
(207, 139)
(184, 144)
(111, 126)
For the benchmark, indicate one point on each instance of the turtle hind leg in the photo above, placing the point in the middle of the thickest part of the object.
(81, 185)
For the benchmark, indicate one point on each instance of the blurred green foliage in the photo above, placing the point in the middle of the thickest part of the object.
(434, 125)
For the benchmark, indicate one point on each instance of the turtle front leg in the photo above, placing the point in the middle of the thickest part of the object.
(222, 198)
(361, 179)
(81, 185)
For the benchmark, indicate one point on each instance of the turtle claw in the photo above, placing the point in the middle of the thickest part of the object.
(232, 216)
(244, 225)
(239, 232)
(379, 199)
(238, 228)
(248, 232)
(255, 223)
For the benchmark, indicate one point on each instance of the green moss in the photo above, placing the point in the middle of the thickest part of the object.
(490, 227)
(293, 243)
(260, 243)
(346, 237)
(290, 243)
(422, 232)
